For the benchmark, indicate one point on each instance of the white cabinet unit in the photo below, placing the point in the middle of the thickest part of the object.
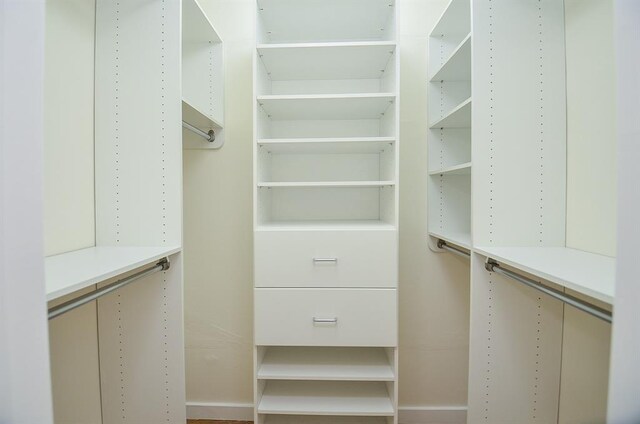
(326, 268)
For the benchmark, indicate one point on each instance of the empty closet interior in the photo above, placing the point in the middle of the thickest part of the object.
(522, 182)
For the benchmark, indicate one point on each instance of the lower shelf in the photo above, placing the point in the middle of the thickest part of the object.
(310, 419)
(459, 239)
(326, 398)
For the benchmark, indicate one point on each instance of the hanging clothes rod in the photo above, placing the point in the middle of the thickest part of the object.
(493, 266)
(209, 136)
(56, 311)
(443, 245)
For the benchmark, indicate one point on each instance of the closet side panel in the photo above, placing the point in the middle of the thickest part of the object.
(515, 351)
(519, 123)
(25, 390)
(142, 350)
(138, 123)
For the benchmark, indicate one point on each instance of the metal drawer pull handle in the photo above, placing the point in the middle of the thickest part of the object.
(325, 320)
(334, 260)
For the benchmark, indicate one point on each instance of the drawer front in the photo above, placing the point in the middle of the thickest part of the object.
(326, 317)
(326, 259)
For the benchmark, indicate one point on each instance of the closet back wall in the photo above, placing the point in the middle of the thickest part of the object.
(218, 243)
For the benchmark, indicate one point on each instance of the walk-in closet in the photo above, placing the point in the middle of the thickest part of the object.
(319, 211)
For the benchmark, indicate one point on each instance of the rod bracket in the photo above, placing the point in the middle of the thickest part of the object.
(165, 264)
(490, 264)
(212, 136)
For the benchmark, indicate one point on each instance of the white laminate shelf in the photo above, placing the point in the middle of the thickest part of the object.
(73, 271)
(307, 419)
(326, 398)
(328, 184)
(586, 273)
(461, 169)
(326, 225)
(337, 364)
(327, 145)
(326, 106)
(196, 26)
(458, 66)
(456, 19)
(199, 118)
(287, 21)
(326, 61)
(460, 239)
(459, 117)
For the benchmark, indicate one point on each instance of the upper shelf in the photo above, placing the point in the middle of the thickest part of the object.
(327, 184)
(456, 19)
(326, 61)
(457, 67)
(459, 117)
(73, 271)
(456, 238)
(286, 21)
(326, 106)
(198, 118)
(196, 27)
(586, 273)
(461, 169)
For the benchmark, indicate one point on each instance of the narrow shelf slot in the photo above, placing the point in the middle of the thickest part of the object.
(459, 117)
(73, 271)
(326, 61)
(317, 363)
(462, 169)
(586, 273)
(458, 66)
(326, 398)
(326, 106)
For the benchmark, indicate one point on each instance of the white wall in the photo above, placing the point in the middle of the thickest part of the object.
(434, 294)
(591, 133)
(68, 124)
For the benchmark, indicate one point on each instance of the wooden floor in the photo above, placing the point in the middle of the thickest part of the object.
(217, 422)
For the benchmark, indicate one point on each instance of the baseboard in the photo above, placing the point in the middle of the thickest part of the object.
(406, 414)
(220, 411)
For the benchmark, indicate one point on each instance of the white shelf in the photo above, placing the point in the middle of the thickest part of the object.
(333, 184)
(326, 20)
(458, 66)
(586, 273)
(337, 364)
(455, 19)
(298, 419)
(327, 145)
(196, 26)
(326, 61)
(459, 117)
(326, 106)
(73, 271)
(326, 398)
(455, 238)
(462, 169)
(315, 225)
(198, 118)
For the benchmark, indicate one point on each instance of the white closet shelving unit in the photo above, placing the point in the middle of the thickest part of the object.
(507, 204)
(140, 82)
(202, 78)
(326, 148)
(449, 98)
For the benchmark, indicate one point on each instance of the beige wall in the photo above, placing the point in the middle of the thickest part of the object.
(434, 294)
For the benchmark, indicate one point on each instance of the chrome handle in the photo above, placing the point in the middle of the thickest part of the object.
(325, 260)
(333, 321)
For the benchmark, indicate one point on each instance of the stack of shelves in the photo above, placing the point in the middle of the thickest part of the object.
(326, 148)
(450, 126)
(202, 77)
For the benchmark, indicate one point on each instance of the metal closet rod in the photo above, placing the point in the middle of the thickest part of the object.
(65, 307)
(443, 245)
(209, 136)
(493, 266)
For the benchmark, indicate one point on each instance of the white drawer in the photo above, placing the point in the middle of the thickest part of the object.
(325, 317)
(326, 259)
